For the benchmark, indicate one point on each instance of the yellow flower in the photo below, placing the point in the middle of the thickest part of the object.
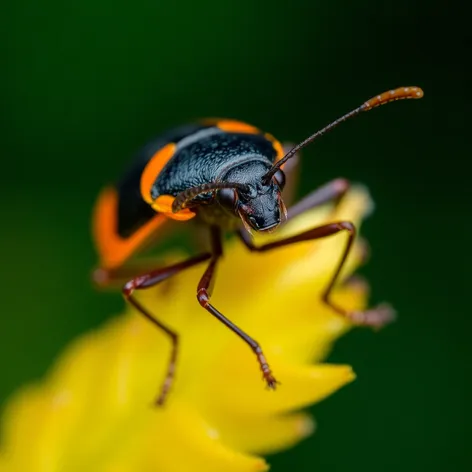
(94, 411)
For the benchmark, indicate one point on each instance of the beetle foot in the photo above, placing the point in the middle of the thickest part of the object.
(270, 381)
(377, 317)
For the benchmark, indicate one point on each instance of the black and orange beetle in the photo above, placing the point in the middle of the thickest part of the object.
(228, 175)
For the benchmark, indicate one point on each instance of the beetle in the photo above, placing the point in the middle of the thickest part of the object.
(228, 175)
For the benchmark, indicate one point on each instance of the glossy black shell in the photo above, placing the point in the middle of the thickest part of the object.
(204, 153)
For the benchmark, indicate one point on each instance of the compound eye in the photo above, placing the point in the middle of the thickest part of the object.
(279, 177)
(227, 197)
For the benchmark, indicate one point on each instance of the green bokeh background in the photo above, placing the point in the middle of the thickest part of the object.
(86, 84)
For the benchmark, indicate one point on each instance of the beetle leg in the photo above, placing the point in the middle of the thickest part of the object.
(203, 295)
(105, 278)
(375, 317)
(333, 190)
(148, 280)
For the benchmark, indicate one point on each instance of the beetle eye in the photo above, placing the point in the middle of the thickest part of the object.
(279, 177)
(227, 197)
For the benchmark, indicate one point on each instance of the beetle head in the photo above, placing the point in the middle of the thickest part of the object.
(260, 205)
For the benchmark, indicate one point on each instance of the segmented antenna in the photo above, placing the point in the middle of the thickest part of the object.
(400, 93)
(186, 196)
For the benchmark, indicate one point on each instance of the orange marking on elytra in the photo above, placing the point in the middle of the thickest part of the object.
(163, 204)
(153, 168)
(400, 93)
(233, 126)
(277, 147)
(112, 248)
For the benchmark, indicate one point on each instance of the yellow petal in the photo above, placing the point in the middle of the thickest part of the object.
(244, 389)
(266, 434)
(184, 442)
(94, 410)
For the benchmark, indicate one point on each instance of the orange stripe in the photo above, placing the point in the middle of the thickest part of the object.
(277, 147)
(233, 126)
(113, 250)
(163, 204)
(153, 168)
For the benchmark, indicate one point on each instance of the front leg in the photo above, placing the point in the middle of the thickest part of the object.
(332, 191)
(375, 317)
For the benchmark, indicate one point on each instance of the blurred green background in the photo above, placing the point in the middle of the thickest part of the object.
(85, 84)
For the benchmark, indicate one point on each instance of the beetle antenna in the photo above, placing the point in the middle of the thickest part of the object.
(400, 93)
(183, 198)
